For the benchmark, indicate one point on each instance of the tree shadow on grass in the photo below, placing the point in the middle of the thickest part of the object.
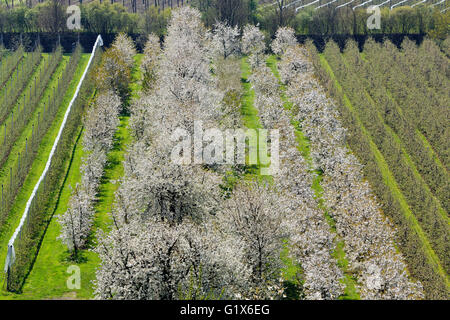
(70, 257)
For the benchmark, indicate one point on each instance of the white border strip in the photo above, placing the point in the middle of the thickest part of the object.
(11, 255)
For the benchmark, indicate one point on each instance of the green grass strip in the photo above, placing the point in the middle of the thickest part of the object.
(248, 110)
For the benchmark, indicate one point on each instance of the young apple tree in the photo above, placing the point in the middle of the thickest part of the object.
(77, 221)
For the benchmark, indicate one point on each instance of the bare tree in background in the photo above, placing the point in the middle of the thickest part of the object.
(53, 16)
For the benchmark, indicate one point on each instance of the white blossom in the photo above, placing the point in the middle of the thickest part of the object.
(226, 40)
(253, 45)
(284, 38)
(367, 234)
(257, 217)
(150, 61)
(101, 122)
(77, 221)
(155, 260)
(125, 46)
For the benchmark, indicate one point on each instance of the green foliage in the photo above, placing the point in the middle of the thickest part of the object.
(49, 16)
(235, 12)
(328, 21)
(113, 73)
(105, 17)
(271, 17)
(155, 21)
(108, 18)
(441, 25)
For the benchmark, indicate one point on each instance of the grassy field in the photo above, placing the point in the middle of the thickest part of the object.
(248, 110)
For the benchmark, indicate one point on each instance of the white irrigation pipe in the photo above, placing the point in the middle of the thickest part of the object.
(343, 5)
(435, 4)
(416, 4)
(11, 255)
(292, 3)
(326, 4)
(362, 4)
(306, 5)
(382, 4)
(398, 3)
